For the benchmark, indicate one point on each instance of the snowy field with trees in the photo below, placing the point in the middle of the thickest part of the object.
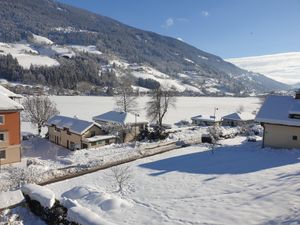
(239, 183)
(234, 179)
(85, 107)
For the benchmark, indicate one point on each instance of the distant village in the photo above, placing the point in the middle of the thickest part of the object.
(279, 117)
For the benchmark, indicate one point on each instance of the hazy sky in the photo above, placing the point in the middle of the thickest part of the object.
(228, 28)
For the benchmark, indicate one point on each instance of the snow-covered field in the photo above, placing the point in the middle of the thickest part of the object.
(146, 72)
(283, 67)
(26, 55)
(238, 184)
(86, 107)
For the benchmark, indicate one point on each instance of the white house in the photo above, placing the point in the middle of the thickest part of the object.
(205, 120)
(238, 119)
(130, 123)
(280, 117)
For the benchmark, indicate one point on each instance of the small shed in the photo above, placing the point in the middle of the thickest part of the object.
(205, 120)
(99, 140)
(134, 123)
(238, 119)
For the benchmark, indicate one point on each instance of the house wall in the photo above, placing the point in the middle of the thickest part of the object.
(13, 154)
(12, 127)
(95, 129)
(101, 143)
(134, 131)
(12, 132)
(280, 136)
(63, 136)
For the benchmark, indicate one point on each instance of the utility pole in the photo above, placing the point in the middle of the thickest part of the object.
(215, 109)
(135, 125)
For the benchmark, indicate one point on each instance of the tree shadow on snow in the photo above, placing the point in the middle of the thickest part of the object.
(284, 220)
(43, 149)
(241, 159)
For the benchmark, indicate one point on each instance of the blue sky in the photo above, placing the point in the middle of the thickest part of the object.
(228, 28)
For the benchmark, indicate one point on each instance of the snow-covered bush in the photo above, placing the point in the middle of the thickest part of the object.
(39, 193)
(17, 177)
(215, 132)
(7, 217)
(84, 216)
(250, 130)
(42, 203)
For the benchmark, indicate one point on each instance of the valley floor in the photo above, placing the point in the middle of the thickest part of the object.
(239, 183)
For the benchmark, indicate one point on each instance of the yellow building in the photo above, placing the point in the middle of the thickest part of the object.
(73, 133)
(280, 117)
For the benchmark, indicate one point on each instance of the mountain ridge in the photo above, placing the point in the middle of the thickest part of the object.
(283, 67)
(68, 25)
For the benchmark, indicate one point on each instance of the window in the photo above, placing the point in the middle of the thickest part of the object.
(2, 136)
(295, 138)
(99, 142)
(2, 154)
(1, 119)
(294, 116)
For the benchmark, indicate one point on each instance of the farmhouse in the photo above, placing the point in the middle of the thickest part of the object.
(10, 131)
(5, 92)
(73, 133)
(238, 119)
(280, 117)
(205, 120)
(129, 124)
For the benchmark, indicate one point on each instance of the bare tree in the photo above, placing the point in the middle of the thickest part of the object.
(121, 175)
(162, 98)
(125, 100)
(38, 110)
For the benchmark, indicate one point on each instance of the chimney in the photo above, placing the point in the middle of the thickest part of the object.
(297, 96)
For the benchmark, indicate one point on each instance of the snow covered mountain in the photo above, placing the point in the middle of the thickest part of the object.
(283, 67)
(48, 38)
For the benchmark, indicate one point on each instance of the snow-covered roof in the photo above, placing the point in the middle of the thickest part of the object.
(99, 138)
(239, 116)
(276, 110)
(4, 91)
(74, 125)
(43, 195)
(6, 104)
(206, 118)
(123, 118)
